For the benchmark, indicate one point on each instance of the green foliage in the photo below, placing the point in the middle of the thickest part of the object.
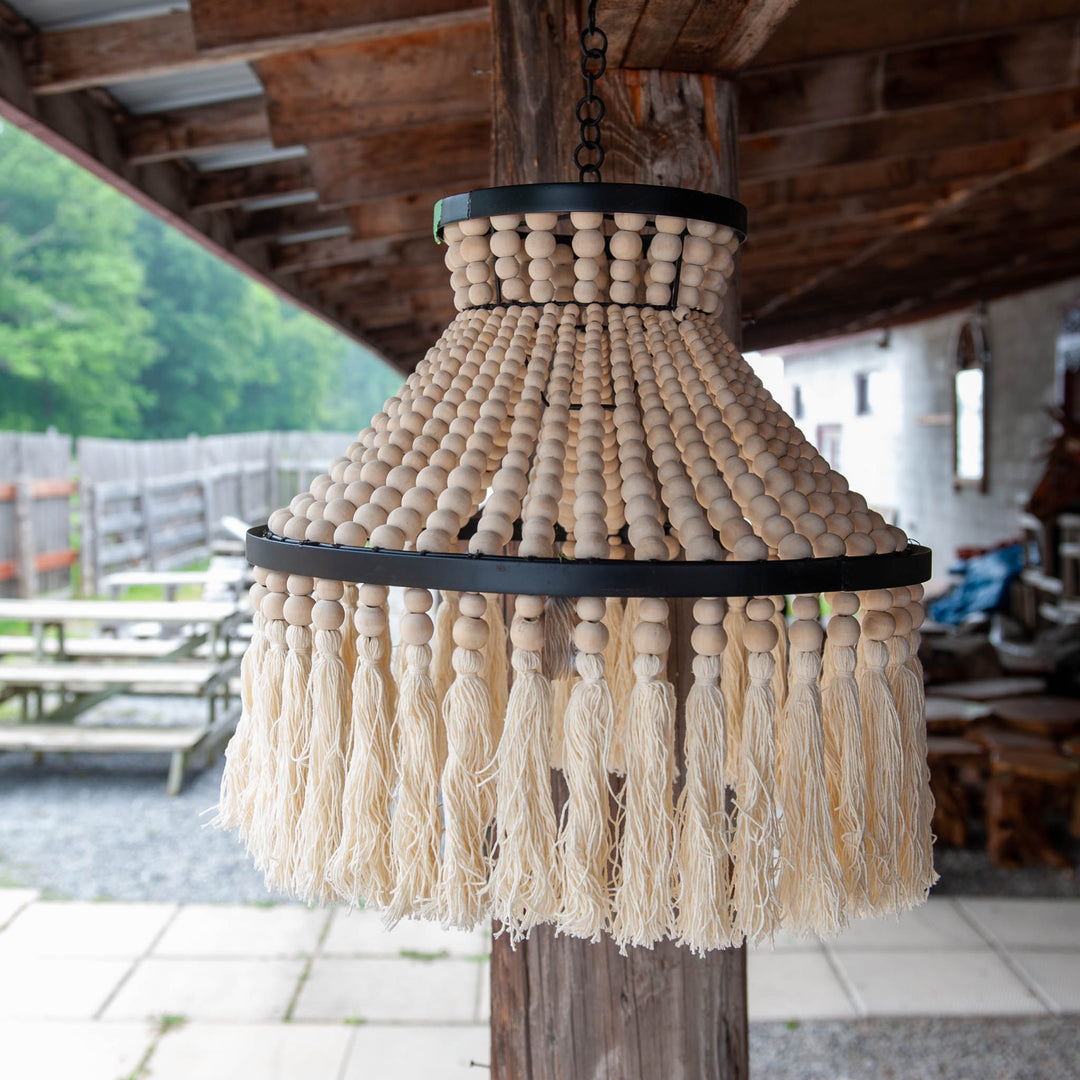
(112, 323)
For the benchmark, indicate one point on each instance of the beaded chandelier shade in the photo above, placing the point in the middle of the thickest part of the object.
(583, 444)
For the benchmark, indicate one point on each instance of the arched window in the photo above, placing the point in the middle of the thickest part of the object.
(971, 405)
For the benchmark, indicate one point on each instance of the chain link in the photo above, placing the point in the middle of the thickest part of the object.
(589, 154)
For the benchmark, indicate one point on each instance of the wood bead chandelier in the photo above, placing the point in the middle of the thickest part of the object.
(584, 442)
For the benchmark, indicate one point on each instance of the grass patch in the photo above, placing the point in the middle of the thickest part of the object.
(171, 1021)
(427, 957)
(792, 1025)
(354, 1021)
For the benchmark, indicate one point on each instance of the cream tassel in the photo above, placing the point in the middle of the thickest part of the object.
(561, 690)
(780, 653)
(925, 833)
(319, 828)
(416, 828)
(756, 837)
(257, 810)
(294, 730)
(442, 670)
(236, 775)
(733, 684)
(613, 619)
(348, 630)
(496, 669)
(702, 825)
(468, 793)
(361, 868)
(559, 637)
(845, 756)
(523, 885)
(585, 833)
(644, 911)
(908, 696)
(811, 882)
(881, 727)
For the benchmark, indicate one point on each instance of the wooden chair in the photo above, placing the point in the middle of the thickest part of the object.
(950, 757)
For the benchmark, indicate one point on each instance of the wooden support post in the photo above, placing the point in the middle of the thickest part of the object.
(564, 1009)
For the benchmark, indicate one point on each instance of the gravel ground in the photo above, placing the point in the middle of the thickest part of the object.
(100, 826)
(993, 1048)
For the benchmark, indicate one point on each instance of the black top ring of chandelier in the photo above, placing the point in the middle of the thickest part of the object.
(649, 199)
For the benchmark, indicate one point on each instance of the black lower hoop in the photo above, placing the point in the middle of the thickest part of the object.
(587, 577)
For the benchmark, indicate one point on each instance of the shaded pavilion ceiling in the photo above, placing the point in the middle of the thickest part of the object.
(897, 160)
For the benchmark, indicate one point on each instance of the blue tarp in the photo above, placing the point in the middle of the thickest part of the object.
(984, 588)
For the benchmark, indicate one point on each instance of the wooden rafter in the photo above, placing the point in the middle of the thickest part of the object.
(232, 187)
(183, 132)
(60, 61)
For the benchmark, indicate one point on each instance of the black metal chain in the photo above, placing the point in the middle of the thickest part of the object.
(590, 109)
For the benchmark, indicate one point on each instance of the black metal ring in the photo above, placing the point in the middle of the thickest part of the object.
(587, 577)
(601, 198)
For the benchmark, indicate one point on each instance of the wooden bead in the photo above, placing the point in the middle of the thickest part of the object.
(295, 528)
(416, 628)
(878, 625)
(277, 521)
(709, 611)
(844, 631)
(760, 637)
(327, 615)
(273, 605)
(828, 546)
(389, 537)
(372, 595)
(329, 589)
(805, 635)
(795, 546)
(470, 633)
(708, 640)
(320, 532)
(651, 638)
(474, 226)
(902, 618)
(588, 243)
(350, 534)
(760, 607)
(591, 608)
(417, 600)
(858, 544)
(653, 609)
(529, 607)
(805, 607)
(370, 620)
(591, 637)
(750, 549)
(297, 610)
(527, 634)
(626, 245)
(472, 605)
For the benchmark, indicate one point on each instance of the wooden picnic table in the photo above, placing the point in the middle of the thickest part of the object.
(84, 678)
(210, 620)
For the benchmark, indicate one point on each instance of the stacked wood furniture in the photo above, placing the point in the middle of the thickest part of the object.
(1022, 750)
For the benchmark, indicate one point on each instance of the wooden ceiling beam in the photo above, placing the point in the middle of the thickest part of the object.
(1055, 146)
(184, 132)
(231, 187)
(416, 80)
(396, 216)
(723, 39)
(820, 28)
(881, 82)
(910, 134)
(282, 221)
(60, 61)
(369, 167)
(296, 25)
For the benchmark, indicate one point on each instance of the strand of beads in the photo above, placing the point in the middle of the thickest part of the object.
(506, 248)
(468, 795)
(757, 835)
(415, 828)
(361, 868)
(702, 824)
(665, 250)
(644, 909)
(811, 884)
(584, 841)
(881, 726)
(524, 890)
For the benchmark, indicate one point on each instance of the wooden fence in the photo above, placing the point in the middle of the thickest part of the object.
(35, 512)
(158, 504)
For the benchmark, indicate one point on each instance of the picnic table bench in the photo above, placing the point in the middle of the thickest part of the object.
(83, 672)
(230, 581)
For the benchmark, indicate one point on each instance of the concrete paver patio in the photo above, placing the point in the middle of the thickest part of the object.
(115, 991)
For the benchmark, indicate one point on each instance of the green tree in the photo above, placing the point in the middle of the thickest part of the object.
(74, 335)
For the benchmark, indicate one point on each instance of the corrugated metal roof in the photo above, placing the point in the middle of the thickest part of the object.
(253, 154)
(64, 14)
(181, 90)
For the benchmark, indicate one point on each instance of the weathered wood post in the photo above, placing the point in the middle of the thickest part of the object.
(563, 1009)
